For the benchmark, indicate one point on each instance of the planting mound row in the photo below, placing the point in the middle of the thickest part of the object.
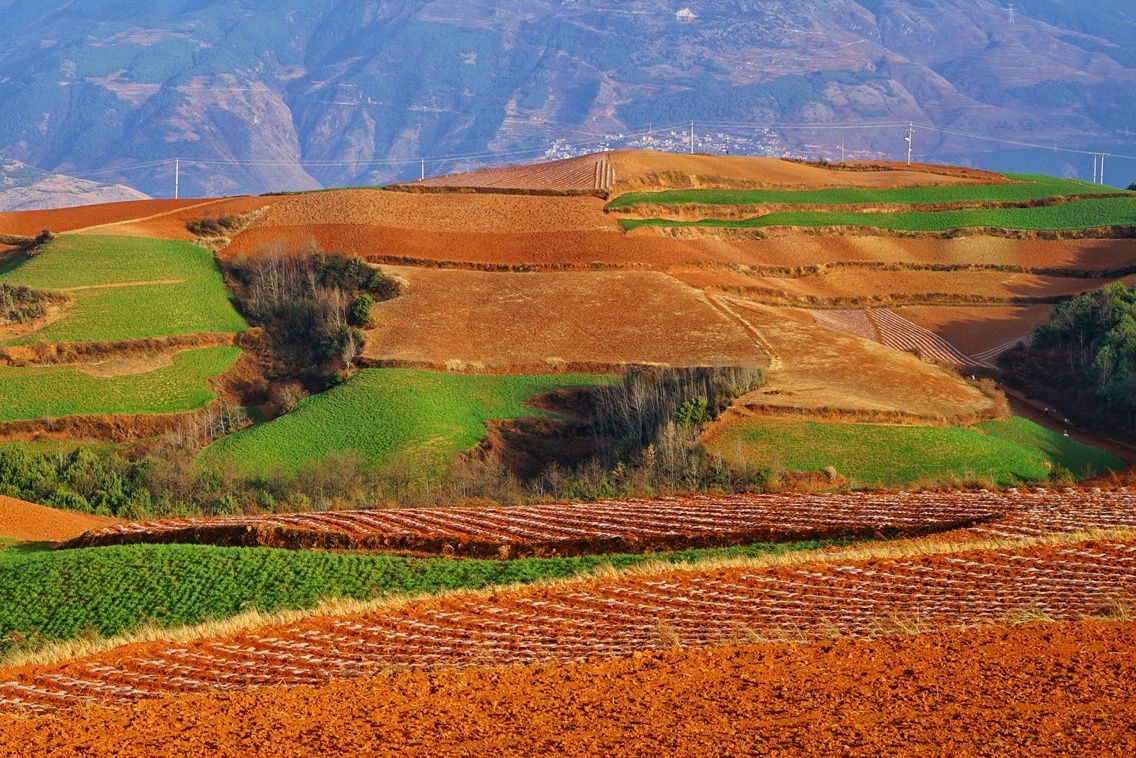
(889, 328)
(613, 617)
(584, 174)
(631, 525)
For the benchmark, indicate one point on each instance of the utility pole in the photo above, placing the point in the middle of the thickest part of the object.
(1011, 9)
(841, 151)
(692, 138)
(177, 178)
(909, 138)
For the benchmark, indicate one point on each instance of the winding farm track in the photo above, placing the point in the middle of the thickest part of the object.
(635, 525)
(603, 618)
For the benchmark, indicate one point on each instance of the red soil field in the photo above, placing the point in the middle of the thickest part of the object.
(890, 328)
(638, 525)
(551, 250)
(951, 286)
(640, 169)
(607, 526)
(173, 225)
(975, 330)
(585, 173)
(165, 219)
(837, 595)
(820, 372)
(795, 250)
(1041, 689)
(28, 522)
(538, 321)
(447, 212)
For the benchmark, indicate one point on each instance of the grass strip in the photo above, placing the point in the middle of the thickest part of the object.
(100, 592)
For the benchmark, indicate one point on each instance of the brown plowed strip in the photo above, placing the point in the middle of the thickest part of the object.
(637, 525)
(1041, 689)
(626, 525)
(841, 594)
(27, 522)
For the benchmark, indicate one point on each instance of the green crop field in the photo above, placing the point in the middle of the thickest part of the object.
(52, 391)
(1025, 187)
(424, 416)
(1004, 452)
(121, 298)
(58, 595)
(1077, 214)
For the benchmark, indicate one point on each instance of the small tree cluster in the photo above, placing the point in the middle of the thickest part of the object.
(313, 305)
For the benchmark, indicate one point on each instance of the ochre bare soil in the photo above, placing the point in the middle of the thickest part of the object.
(525, 321)
(640, 169)
(164, 219)
(820, 372)
(27, 522)
(973, 330)
(1041, 689)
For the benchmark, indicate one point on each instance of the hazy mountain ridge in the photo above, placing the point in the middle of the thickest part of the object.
(89, 84)
(23, 188)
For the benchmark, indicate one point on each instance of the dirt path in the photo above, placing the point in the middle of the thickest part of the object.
(1049, 417)
(1036, 689)
(117, 285)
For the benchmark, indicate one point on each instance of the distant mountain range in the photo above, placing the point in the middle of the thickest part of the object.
(256, 96)
(23, 188)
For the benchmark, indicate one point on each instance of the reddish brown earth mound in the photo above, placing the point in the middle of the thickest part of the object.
(839, 595)
(27, 522)
(1049, 689)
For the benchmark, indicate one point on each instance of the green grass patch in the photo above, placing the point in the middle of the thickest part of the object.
(53, 391)
(194, 299)
(1025, 187)
(1077, 214)
(424, 416)
(60, 595)
(1002, 452)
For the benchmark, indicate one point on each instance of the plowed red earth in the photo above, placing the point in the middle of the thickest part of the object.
(627, 525)
(636, 525)
(527, 321)
(620, 616)
(1040, 689)
(27, 522)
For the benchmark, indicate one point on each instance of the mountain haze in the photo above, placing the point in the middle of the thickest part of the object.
(371, 87)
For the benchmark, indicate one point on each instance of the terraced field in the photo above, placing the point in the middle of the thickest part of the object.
(54, 391)
(1004, 453)
(1018, 188)
(637, 525)
(1099, 213)
(583, 174)
(419, 417)
(126, 289)
(812, 597)
(610, 526)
